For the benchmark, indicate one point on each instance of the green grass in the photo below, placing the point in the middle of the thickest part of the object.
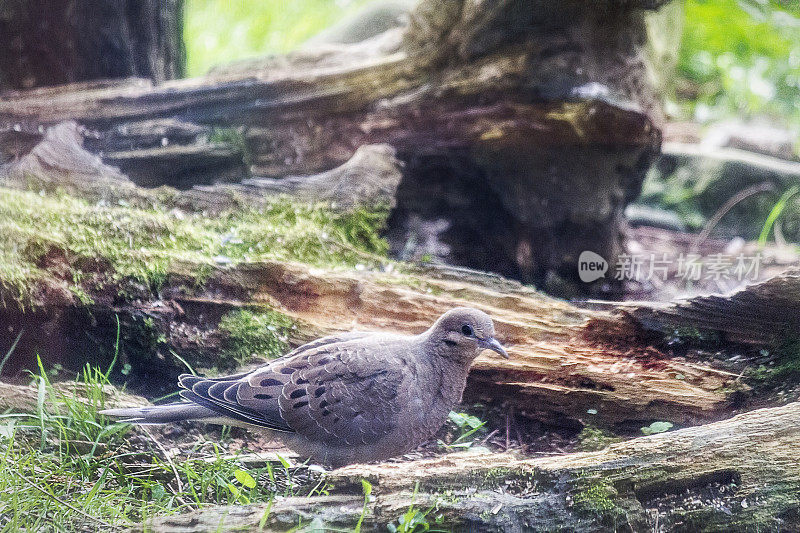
(775, 214)
(414, 520)
(64, 469)
(218, 31)
(125, 242)
(592, 439)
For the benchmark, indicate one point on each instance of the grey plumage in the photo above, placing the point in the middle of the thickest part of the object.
(354, 397)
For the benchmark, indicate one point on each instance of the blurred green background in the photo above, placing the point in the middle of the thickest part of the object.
(737, 57)
(221, 31)
(742, 58)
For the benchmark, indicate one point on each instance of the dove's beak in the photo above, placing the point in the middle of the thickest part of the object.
(493, 345)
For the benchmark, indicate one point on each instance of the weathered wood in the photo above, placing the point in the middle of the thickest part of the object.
(767, 313)
(569, 365)
(525, 126)
(60, 162)
(566, 361)
(25, 398)
(370, 178)
(736, 475)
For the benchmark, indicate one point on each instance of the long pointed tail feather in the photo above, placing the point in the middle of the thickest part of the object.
(163, 414)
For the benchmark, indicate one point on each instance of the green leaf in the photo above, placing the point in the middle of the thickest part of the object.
(157, 492)
(457, 418)
(657, 427)
(234, 490)
(283, 461)
(474, 422)
(245, 479)
(366, 486)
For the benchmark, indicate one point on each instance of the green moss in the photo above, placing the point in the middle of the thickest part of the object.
(246, 334)
(592, 439)
(449, 497)
(234, 138)
(596, 498)
(494, 475)
(140, 244)
(593, 496)
(785, 365)
(692, 336)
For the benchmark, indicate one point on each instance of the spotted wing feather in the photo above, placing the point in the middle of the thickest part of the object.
(347, 394)
(337, 390)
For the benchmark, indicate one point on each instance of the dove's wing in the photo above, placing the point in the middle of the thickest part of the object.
(337, 389)
(347, 394)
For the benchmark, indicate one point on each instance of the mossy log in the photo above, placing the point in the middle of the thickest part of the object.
(165, 283)
(527, 126)
(569, 365)
(736, 475)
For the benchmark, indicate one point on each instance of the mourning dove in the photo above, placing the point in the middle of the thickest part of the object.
(354, 397)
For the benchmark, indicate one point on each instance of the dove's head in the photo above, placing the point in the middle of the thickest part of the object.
(462, 333)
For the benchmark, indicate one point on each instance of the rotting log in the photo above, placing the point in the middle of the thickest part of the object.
(735, 475)
(60, 162)
(525, 126)
(572, 365)
(566, 361)
(569, 365)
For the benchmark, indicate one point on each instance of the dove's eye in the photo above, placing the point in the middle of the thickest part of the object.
(466, 329)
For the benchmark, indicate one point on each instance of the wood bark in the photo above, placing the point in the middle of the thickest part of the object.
(736, 475)
(52, 42)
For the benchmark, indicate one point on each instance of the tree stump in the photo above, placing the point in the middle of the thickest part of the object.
(52, 42)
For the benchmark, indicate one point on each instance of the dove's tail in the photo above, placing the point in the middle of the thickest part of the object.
(164, 414)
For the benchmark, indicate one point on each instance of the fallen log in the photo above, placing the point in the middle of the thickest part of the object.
(736, 475)
(527, 141)
(569, 365)
(572, 365)
(60, 162)
(25, 398)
